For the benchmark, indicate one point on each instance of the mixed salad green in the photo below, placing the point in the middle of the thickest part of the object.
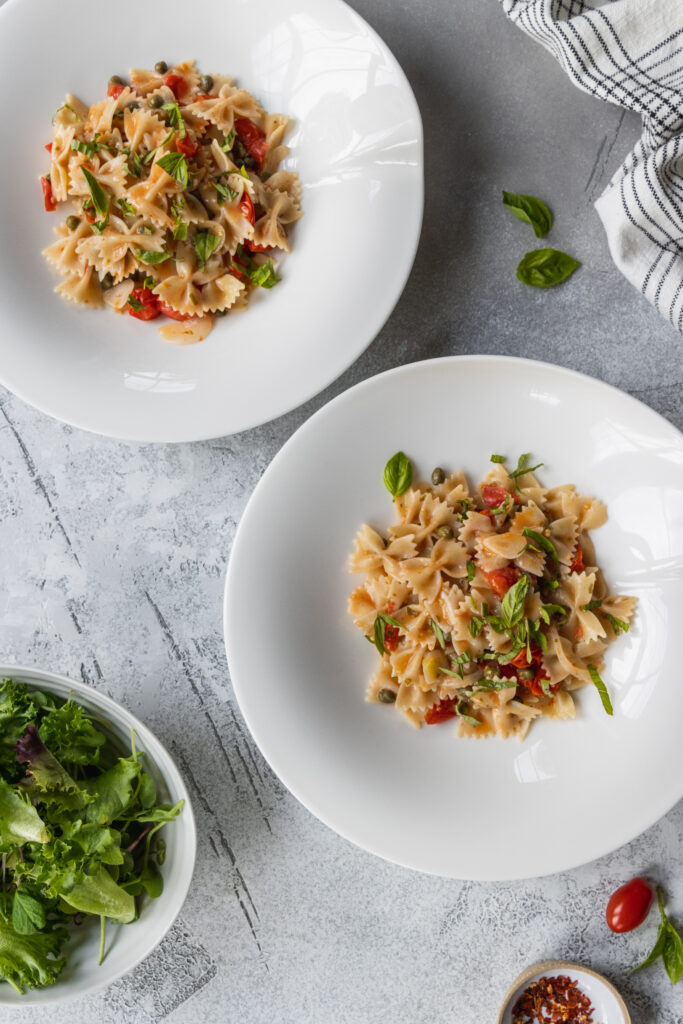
(79, 831)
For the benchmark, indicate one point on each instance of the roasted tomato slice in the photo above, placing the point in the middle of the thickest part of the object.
(247, 208)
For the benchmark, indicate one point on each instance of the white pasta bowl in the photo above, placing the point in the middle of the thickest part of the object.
(127, 944)
(491, 808)
(356, 143)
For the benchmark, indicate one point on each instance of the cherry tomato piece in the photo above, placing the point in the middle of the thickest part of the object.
(169, 311)
(115, 90)
(252, 138)
(500, 580)
(629, 905)
(48, 147)
(493, 495)
(391, 637)
(254, 247)
(187, 146)
(441, 712)
(176, 83)
(577, 565)
(48, 198)
(247, 208)
(149, 302)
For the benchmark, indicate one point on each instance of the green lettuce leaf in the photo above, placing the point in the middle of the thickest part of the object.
(99, 894)
(112, 791)
(30, 961)
(19, 820)
(71, 736)
(50, 782)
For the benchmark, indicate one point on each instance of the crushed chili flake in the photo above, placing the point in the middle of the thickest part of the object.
(556, 1000)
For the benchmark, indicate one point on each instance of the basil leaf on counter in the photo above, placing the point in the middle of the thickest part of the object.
(531, 210)
(542, 268)
(398, 474)
(668, 945)
(602, 689)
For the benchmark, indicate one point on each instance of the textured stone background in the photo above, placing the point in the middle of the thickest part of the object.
(114, 558)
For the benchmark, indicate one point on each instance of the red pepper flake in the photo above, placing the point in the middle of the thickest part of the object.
(556, 1000)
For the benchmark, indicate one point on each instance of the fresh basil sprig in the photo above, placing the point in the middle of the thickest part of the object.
(512, 606)
(175, 165)
(523, 466)
(542, 268)
(531, 210)
(668, 945)
(602, 689)
(380, 628)
(175, 118)
(205, 243)
(398, 474)
(100, 199)
(542, 542)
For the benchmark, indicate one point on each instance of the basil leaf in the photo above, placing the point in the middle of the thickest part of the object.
(228, 141)
(543, 268)
(28, 915)
(398, 474)
(542, 542)
(99, 225)
(523, 466)
(465, 717)
(471, 568)
(134, 169)
(379, 630)
(175, 165)
(438, 633)
(175, 118)
(591, 606)
(531, 210)
(149, 282)
(497, 458)
(90, 148)
(486, 685)
(475, 627)
(263, 274)
(657, 950)
(512, 606)
(100, 199)
(135, 304)
(502, 508)
(602, 689)
(66, 106)
(672, 953)
(126, 208)
(151, 256)
(180, 231)
(618, 625)
(205, 243)
(243, 172)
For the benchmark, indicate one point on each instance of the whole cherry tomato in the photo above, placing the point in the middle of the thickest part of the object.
(629, 905)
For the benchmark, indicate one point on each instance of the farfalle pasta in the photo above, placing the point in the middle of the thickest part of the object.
(176, 201)
(486, 606)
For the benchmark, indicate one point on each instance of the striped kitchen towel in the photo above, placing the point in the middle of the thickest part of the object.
(630, 52)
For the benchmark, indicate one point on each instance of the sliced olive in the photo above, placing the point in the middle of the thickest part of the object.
(445, 531)
(72, 222)
(107, 281)
(116, 80)
(386, 696)
(206, 83)
(161, 67)
(156, 100)
(438, 476)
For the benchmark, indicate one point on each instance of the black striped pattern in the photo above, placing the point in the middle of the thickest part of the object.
(630, 53)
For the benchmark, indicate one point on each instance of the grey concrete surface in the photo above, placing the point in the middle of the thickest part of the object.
(114, 558)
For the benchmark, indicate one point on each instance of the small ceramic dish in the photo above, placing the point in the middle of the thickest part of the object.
(608, 1006)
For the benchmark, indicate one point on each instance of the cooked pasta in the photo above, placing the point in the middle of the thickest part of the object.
(176, 205)
(485, 606)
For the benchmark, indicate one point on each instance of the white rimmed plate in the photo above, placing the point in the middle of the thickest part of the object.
(127, 944)
(356, 142)
(490, 809)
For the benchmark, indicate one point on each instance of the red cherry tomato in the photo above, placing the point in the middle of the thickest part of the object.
(247, 208)
(441, 712)
(174, 314)
(176, 83)
(252, 138)
(493, 495)
(629, 905)
(48, 198)
(577, 564)
(115, 90)
(500, 580)
(254, 247)
(48, 147)
(149, 302)
(187, 146)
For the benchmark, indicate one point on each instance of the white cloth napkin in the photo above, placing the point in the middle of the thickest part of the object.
(630, 52)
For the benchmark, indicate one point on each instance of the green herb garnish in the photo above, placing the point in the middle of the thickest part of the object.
(380, 628)
(126, 208)
(523, 466)
(592, 605)
(543, 268)
(548, 610)
(135, 303)
(99, 197)
(668, 945)
(542, 542)
(602, 689)
(90, 148)
(205, 243)
(175, 118)
(471, 568)
(618, 625)
(180, 231)
(475, 626)
(497, 458)
(228, 141)
(175, 165)
(150, 256)
(398, 474)
(512, 605)
(531, 210)
(438, 633)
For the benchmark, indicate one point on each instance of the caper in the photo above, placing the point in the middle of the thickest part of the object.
(116, 80)
(107, 281)
(161, 67)
(438, 476)
(526, 673)
(72, 222)
(445, 531)
(386, 696)
(206, 83)
(134, 105)
(490, 672)
(156, 100)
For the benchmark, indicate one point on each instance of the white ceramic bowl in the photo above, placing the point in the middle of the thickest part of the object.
(127, 944)
(425, 798)
(356, 143)
(608, 1006)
